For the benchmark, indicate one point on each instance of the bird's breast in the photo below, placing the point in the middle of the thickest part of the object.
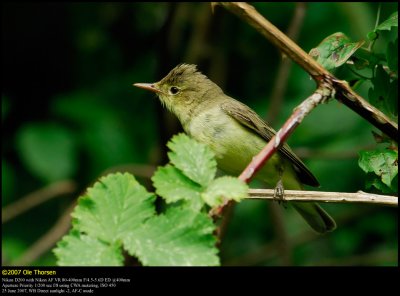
(233, 144)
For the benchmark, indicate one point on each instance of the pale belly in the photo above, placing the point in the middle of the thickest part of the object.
(235, 145)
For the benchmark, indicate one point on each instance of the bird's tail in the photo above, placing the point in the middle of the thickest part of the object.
(316, 217)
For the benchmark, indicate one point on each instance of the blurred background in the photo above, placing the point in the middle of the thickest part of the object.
(70, 114)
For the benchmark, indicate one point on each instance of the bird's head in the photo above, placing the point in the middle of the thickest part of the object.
(183, 89)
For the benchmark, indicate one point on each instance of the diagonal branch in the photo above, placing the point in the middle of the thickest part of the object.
(343, 92)
(321, 95)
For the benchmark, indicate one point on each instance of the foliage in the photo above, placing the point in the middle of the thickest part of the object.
(382, 169)
(118, 213)
(336, 50)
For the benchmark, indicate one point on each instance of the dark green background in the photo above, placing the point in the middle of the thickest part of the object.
(69, 112)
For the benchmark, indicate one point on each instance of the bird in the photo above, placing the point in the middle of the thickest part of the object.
(235, 133)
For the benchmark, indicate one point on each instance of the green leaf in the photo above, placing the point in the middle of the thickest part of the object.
(392, 21)
(382, 163)
(117, 212)
(392, 55)
(224, 188)
(77, 249)
(113, 207)
(173, 185)
(194, 159)
(48, 151)
(180, 237)
(335, 50)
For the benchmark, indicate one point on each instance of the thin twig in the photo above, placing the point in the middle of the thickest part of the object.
(36, 198)
(371, 44)
(319, 96)
(344, 93)
(323, 196)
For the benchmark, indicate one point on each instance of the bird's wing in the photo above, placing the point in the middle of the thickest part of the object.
(250, 119)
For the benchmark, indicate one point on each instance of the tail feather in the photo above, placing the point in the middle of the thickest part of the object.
(316, 217)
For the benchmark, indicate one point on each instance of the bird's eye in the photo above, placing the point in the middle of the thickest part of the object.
(174, 90)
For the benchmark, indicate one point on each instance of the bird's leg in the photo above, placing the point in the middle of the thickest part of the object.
(279, 192)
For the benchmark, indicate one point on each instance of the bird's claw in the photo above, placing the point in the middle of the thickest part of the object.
(279, 193)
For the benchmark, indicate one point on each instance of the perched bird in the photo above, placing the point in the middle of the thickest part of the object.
(235, 133)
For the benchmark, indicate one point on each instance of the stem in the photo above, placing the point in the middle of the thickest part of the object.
(258, 161)
(329, 197)
(372, 43)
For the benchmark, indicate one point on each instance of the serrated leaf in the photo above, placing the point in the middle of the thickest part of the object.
(335, 50)
(383, 163)
(180, 237)
(116, 205)
(224, 188)
(77, 249)
(392, 21)
(194, 159)
(48, 151)
(173, 185)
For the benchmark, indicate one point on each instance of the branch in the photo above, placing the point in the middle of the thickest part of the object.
(321, 95)
(321, 196)
(344, 93)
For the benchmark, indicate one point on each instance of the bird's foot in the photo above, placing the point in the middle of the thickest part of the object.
(279, 193)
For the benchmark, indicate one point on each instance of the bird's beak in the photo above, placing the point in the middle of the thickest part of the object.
(148, 86)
